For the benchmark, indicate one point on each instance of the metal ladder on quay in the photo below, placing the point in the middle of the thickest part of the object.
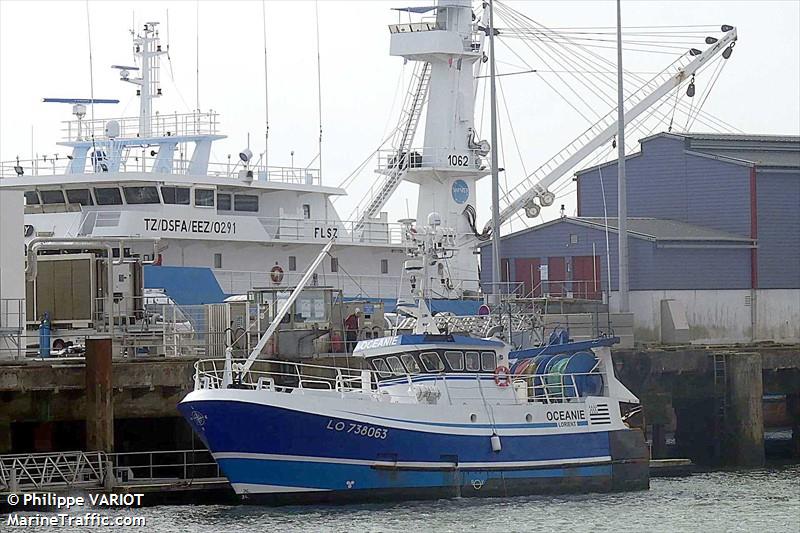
(720, 399)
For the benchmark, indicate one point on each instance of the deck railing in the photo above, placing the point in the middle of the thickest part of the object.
(288, 377)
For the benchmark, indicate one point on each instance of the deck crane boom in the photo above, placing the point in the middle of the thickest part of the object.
(536, 184)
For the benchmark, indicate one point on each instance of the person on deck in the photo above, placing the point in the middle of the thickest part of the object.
(351, 329)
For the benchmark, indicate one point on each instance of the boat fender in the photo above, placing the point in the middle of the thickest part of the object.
(496, 446)
(502, 376)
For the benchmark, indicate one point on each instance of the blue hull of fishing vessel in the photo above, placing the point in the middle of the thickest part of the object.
(283, 437)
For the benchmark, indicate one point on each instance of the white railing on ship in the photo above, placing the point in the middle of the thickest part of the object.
(161, 125)
(265, 374)
(289, 376)
(420, 157)
(136, 161)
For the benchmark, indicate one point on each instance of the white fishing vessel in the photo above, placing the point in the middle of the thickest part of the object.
(424, 415)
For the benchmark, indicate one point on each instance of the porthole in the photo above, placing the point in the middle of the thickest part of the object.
(473, 418)
(528, 418)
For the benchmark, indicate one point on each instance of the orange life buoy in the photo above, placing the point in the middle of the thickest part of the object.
(276, 274)
(502, 376)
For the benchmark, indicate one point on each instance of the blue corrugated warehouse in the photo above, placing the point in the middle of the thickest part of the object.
(714, 223)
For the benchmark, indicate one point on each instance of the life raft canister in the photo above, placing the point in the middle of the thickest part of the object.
(276, 274)
(502, 376)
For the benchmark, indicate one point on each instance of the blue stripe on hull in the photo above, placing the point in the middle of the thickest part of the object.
(332, 476)
(229, 426)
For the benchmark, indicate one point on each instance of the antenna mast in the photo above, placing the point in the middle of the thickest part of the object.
(266, 87)
(147, 46)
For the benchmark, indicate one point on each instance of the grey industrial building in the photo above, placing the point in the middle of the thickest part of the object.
(714, 224)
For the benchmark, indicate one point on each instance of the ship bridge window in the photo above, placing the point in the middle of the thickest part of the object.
(175, 195)
(410, 363)
(488, 361)
(204, 197)
(455, 360)
(79, 196)
(473, 361)
(223, 202)
(31, 198)
(107, 196)
(431, 361)
(245, 202)
(52, 197)
(395, 365)
(141, 195)
(381, 367)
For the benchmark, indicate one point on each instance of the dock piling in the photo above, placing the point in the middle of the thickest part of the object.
(99, 391)
(744, 434)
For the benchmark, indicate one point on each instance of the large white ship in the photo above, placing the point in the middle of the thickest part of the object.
(226, 227)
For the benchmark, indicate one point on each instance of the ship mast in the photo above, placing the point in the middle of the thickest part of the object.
(494, 163)
(147, 46)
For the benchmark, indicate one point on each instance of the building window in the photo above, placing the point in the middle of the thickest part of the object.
(141, 195)
(79, 196)
(573, 239)
(245, 202)
(307, 211)
(334, 264)
(384, 266)
(52, 197)
(223, 202)
(175, 195)
(107, 196)
(217, 260)
(292, 263)
(204, 197)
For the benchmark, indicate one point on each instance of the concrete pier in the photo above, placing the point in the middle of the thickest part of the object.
(99, 395)
(743, 435)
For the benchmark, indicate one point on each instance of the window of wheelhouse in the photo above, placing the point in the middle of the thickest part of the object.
(410, 363)
(488, 361)
(381, 368)
(473, 361)
(223, 201)
(455, 360)
(395, 365)
(79, 196)
(431, 361)
(141, 195)
(107, 196)
(175, 195)
(52, 197)
(204, 197)
(31, 198)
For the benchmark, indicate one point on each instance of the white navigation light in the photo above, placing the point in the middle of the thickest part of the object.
(246, 155)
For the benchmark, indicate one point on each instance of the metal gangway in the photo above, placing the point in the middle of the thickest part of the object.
(49, 471)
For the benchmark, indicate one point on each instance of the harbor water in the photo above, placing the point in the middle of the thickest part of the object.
(751, 500)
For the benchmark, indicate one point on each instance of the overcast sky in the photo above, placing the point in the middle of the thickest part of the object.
(44, 52)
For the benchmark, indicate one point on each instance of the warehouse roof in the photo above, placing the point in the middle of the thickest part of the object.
(766, 151)
(664, 230)
(652, 229)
